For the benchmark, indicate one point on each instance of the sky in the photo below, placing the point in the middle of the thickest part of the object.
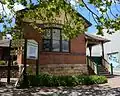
(89, 17)
(7, 11)
(84, 12)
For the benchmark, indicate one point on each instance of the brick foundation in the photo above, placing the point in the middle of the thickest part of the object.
(59, 69)
(64, 69)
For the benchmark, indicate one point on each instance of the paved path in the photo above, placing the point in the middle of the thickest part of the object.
(112, 88)
(113, 82)
(11, 79)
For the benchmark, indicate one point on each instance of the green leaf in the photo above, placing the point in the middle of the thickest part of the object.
(108, 3)
(101, 19)
(81, 4)
(100, 30)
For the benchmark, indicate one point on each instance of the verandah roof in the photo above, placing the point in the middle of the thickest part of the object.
(94, 40)
(4, 43)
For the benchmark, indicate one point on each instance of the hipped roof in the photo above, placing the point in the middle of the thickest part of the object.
(88, 22)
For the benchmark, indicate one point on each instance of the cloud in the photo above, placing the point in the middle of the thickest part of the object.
(5, 10)
(18, 7)
(74, 4)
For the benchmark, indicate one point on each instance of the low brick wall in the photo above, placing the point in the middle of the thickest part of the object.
(14, 71)
(64, 69)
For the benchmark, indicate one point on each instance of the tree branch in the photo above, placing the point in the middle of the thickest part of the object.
(116, 6)
(95, 19)
(112, 13)
(5, 14)
(107, 15)
(90, 9)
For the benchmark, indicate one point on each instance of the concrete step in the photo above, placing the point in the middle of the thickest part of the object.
(103, 72)
(108, 76)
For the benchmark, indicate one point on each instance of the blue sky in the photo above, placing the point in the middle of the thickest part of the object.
(85, 13)
(115, 9)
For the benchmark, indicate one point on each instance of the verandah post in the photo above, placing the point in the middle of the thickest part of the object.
(37, 62)
(111, 66)
(25, 63)
(102, 49)
(97, 69)
(90, 50)
(9, 63)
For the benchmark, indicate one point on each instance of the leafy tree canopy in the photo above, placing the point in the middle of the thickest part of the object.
(52, 8)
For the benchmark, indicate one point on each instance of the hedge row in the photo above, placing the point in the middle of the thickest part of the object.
(51, 80)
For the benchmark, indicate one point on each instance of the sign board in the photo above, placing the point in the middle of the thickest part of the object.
(32, 49)
(114, 59)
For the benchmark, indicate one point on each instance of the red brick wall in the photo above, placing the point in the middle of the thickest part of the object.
(77, 54)
(1, 53)
(69, 63)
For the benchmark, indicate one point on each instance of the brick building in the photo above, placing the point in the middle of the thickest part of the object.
(67, 61)
(70, 60)
(65, 56)
(56, 55)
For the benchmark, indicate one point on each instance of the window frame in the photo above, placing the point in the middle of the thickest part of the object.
(51, 40)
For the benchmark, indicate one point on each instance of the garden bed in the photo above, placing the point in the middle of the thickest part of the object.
(54, 81)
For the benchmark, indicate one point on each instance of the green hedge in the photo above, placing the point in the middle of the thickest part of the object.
(51, 80)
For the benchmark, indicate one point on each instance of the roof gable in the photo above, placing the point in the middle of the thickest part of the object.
(36, 6)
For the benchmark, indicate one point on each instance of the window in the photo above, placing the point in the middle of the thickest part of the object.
(56, 39)
(65, 46)
(53, 41)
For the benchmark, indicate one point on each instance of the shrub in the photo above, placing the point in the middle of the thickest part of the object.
(2, 62)
(98, 79)
(93, 79)
(29, 70)
(51, 80)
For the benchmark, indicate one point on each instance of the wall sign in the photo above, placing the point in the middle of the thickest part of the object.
(114, 59)
(32, 49)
